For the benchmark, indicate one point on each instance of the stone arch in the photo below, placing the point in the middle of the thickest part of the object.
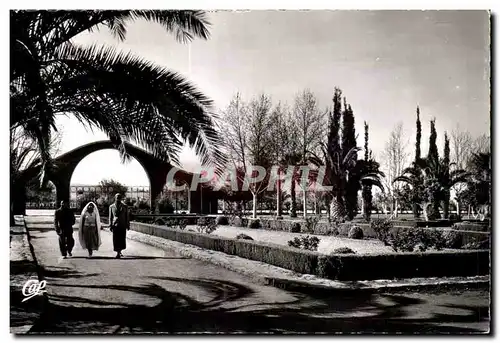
(156, 170)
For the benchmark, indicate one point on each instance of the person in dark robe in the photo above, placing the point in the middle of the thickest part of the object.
(119, 224)
(64, 219)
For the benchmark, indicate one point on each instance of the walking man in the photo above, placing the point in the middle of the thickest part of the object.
(64, 219)
(119, 224)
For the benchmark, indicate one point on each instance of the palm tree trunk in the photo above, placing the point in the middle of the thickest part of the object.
(337, 210)
(446, 205)
(457, 204)
(434, 213)
(278, 201)
(293, 198)
(304, 192)
(254, 205)
(416, 212)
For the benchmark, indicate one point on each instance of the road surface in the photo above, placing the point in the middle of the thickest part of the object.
(152, 290)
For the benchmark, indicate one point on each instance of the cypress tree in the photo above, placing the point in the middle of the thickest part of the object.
(446, 166)
(433, 154)
(433, 161)
(334, 139)
(416, 196)
(419, 136)
(367, 190)
(349, 142)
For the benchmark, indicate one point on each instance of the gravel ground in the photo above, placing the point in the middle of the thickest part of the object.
(23, 315)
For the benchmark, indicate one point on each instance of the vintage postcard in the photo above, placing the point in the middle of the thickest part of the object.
(250, 172)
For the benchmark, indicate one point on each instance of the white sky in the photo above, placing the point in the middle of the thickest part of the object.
(385, 63)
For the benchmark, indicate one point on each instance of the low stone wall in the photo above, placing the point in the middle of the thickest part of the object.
(335, 267)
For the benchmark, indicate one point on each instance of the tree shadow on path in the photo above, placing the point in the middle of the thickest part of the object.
(359, 312)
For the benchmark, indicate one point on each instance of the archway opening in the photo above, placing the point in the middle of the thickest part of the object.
(101, 174)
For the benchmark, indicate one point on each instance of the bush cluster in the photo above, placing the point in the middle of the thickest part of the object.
(177, 224)
(311, 224)
(356, 233)
(305, 242)
(243, 236)
(222, 220)
(206, 225)
(254, 223)
(343, 250)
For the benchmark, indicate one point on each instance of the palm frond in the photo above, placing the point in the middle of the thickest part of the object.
(138, 100)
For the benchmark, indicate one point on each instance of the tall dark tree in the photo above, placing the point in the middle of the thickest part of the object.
(342, 168)
(416, 193)
(433, 159)
(367, 189)
(349, 143)
(334, 149)
(419, 136)
(433, 153)
(446, 165)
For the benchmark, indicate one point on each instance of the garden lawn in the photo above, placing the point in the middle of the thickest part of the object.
(326, 245)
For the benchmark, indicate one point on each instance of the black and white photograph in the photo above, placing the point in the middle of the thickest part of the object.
(244, 172)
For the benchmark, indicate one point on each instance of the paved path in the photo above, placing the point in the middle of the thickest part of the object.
(153, 290)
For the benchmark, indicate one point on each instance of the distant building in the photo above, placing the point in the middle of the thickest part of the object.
(133, 192)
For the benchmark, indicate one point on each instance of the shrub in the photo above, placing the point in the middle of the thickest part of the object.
(295, 243)
(206, 225)
(484, 244)
(453, 239)
(177, 224)
(254, 224)
(333, 230)
(243, 236)
(311, 224)
(222, 220)
(305, 242)
(430, 239)
(356, 233)
(295, 228)
(343, 250)
(140, 211)
(159, 221)
(235, 221)
(142, 205)
(382, 228)
(403, 240)
(408, 240)
(164, 205)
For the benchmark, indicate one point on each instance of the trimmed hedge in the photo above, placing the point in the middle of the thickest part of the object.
(336, 266)
(149, 219)
(467, 226)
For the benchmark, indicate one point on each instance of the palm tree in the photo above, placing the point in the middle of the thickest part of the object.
(342, 171)
(437, 180)
(128, 98)
(479, 184)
